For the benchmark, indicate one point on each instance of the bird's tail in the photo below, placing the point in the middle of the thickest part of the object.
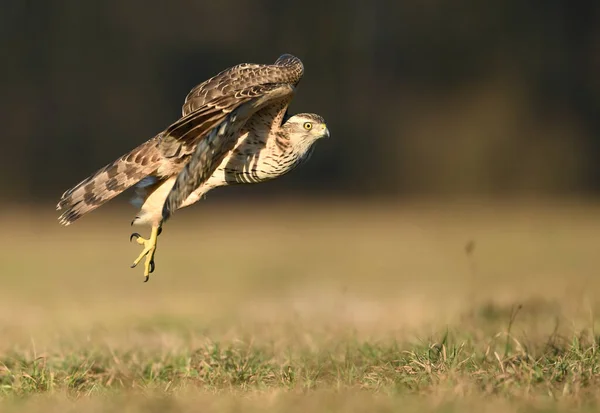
(108, 182)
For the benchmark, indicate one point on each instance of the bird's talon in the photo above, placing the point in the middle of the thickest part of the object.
(149, 248)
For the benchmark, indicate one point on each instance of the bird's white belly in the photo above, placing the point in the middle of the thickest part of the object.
(151, 210)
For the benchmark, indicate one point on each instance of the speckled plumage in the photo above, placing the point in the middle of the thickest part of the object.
(233, 129)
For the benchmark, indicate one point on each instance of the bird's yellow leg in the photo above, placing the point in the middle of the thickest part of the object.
(148, 251)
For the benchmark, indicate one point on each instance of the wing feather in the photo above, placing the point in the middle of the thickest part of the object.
(286, 69)
(210, 152)
(212, 101)
(181, 138)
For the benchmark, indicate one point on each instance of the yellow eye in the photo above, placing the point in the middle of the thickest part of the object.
(307, 125)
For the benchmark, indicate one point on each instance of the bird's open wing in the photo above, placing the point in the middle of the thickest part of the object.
(209, 103)
(212, 149)
(286, 69)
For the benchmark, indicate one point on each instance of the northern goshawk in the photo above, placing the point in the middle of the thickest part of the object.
(235, 129)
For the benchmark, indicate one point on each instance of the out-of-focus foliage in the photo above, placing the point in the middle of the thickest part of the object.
(421, 97)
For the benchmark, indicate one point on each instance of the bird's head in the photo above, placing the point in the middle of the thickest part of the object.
(304, 129)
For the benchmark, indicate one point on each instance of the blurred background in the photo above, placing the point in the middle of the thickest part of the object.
(456, 126)
(436, 98)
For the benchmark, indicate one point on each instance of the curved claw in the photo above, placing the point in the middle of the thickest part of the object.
(146, 278)
(152, 266)
(136, 235)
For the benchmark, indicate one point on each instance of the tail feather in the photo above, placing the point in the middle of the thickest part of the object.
(108, 182)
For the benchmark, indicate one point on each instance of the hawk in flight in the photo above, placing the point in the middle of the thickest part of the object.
(234, 129)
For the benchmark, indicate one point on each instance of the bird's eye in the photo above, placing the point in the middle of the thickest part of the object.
(307, 125)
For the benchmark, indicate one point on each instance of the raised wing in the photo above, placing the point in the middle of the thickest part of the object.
(286, 69)
(181, 138)
(211, 150)
(212, 101)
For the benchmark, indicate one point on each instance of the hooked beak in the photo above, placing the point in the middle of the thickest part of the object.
(325, 131)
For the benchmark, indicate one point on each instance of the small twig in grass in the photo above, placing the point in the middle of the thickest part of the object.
(513, 315)
(551, 343)
(592, 321)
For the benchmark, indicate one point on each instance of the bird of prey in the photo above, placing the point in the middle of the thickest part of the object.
(235, 128)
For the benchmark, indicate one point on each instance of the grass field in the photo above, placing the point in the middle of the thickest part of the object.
(318, 307)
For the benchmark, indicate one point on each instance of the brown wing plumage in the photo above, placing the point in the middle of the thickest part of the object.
(286, 69)
(207, 106)
(211, 150)
(109, 182)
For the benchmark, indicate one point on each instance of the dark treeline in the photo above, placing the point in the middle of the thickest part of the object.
(423, 97)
